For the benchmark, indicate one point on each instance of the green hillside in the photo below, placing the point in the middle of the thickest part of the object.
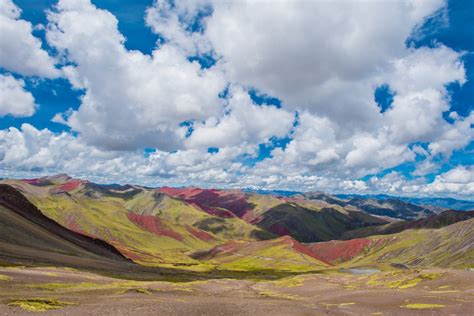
(229, 230)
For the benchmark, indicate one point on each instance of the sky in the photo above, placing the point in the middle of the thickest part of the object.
(335, 96)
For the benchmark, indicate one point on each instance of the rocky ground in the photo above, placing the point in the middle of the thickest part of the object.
(398, 292)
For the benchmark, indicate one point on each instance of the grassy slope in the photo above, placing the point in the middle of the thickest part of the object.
(310, 224)
(26, 235)
(155, 229)
(179, 213)
(433, 221)
(108, 217)
(302, 219)
(451, 246)
(280, 254)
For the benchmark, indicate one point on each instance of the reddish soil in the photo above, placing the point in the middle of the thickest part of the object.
(132, 255)
(279, 230)
(33, 181)
(213, 211)
(303, 249)
(209, 200)
(231, 247)
(154, 225)
(332, 251)
(228, 247)
(185, 193)
(69, 186)
(129, 254)
(199, 234)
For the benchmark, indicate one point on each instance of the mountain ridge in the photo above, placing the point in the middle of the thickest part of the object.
(170, 227)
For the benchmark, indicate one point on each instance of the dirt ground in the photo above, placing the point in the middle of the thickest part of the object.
(66, 291)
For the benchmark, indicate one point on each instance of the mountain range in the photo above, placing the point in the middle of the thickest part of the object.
(200, 230)
(447, 203)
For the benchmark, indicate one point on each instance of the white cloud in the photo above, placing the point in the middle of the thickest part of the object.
(453, 137)
(132, 100)
(425, 167)
(419, 80)
(20, 51)
(371, 155)
(307, 53)
(244, 122)
(31, 152)
(456, 182)
(312, 149)
(173, 20)
(461, 175)
(14, 99)
(322, 59)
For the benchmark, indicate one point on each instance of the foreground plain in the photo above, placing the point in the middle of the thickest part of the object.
(66, 291)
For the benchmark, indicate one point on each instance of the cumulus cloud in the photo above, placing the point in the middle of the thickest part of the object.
(31, 152)
(453, 137)
(307, 53)
(243, 122)
(175, 22)
(28, 150)
(322, 59)
(458, 182)
(20, 51)
(14, 99)
(320, 144)
(131, 100)
(419, 80)
(313, 148)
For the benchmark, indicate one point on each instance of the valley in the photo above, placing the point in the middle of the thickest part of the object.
(75, 247)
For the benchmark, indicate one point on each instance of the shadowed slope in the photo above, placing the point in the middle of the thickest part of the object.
(25, 230)
(434, 221)
(310, 225)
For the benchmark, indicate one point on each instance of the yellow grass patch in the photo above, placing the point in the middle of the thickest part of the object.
(422, 306)
(39, 304)
(4, 277)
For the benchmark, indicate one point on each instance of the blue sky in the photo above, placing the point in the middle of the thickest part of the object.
(215, 95)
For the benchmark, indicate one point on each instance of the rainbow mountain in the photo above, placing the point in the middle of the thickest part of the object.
(203, 230)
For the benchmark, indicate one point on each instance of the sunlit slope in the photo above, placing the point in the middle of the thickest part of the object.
(224, 203)
(304, 220)
(450, 246)
(280, 254)
(146, 226)
(192, 227)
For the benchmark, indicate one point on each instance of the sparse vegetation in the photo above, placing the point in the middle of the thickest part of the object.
(39, 304)
(422, 306)
(4, 277)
